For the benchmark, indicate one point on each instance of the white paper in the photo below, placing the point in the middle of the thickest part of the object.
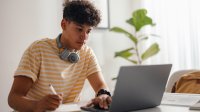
(180, 99)
(71, 107)
(196, 106)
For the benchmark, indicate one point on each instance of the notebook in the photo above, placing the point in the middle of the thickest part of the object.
(180, 99)
(138, 87)
(195, 106)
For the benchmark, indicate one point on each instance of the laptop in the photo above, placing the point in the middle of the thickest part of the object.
(138, 87)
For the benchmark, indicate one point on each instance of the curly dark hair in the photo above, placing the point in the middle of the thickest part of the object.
(81, 12)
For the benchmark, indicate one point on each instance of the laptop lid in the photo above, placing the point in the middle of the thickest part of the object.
(139, 87)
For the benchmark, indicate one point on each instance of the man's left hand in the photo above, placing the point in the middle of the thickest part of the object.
(103, 101)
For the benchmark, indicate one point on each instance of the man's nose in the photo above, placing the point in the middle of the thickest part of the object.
(84, 36)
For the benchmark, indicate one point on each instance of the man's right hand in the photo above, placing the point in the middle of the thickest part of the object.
(18, 101)
(49, 102)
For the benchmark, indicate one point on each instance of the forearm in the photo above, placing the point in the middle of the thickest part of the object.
(21, 103)
(97, 82)
(101, 86)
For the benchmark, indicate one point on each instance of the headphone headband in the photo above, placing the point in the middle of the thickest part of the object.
(59, 44)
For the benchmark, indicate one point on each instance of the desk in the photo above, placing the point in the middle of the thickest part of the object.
(180, 106)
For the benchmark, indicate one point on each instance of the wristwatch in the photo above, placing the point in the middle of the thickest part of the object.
(103, 91)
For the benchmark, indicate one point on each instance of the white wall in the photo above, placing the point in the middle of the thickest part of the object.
(21, 23)
(24, 21)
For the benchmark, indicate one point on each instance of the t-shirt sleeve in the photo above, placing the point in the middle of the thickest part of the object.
(93, 65)
(29, 65)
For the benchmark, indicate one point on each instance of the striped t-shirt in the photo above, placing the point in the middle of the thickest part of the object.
(41, 63)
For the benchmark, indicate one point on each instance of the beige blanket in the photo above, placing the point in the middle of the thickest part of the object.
(188, 83)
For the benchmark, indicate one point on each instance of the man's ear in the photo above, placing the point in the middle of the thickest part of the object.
(63, 22)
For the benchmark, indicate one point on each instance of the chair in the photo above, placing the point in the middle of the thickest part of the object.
(175, 77)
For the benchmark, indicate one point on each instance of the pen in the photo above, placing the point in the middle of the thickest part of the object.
(52, 89)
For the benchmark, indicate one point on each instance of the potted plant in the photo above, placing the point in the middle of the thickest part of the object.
(134, 54)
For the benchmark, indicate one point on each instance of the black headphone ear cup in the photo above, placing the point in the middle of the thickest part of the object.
(64, 55)
(73, 57)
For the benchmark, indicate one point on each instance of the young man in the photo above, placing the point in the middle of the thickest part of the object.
(64, 62)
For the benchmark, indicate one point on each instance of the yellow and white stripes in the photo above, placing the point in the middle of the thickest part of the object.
(42, 64)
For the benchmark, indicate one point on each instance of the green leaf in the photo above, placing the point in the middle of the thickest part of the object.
(132, 61)
(120, 30)
(152, 50)
(114, 78)
(129, 21)
(144, 38)
(140, 19)
(124, 53)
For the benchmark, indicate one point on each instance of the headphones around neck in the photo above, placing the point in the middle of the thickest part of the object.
(66, 55)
